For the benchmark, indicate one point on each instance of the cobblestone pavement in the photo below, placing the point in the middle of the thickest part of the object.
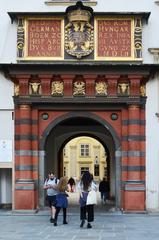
(107, 226)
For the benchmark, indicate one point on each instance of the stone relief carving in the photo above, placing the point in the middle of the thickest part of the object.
(78, 88)
(57, 88)
(101, 88)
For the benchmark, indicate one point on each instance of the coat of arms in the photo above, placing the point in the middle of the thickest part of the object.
(79, 33)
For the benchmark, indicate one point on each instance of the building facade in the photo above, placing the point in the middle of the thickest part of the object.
(71, 69)
(85, 154)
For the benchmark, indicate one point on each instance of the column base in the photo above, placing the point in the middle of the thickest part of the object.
(25, 195)
(134, 197)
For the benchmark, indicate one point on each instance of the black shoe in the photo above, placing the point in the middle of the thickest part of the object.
(65, 222)
(52, 220)
(82, 223)
(89, 225)
(55, 224)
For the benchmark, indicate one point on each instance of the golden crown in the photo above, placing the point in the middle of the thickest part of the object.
(79, 15)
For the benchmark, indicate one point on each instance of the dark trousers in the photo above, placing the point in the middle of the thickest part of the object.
(57, 213)
(87, 212)
(104, 196)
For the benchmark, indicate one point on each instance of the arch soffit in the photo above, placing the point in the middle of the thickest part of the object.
(70, 115)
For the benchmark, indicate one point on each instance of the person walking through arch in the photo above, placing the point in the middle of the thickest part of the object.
(61, 199)
(71, 183)
(104, 189)
(50, 186)
(85, 185)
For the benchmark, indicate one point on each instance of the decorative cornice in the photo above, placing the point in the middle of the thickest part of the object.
(15, 15)
(69, 3)
(155, 52)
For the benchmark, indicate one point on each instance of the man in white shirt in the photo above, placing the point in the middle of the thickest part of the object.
(50, 186)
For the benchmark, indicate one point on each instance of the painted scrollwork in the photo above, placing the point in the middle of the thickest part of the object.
(57, 88)
(79, 88)
(138, 38)
(101, 88)
(20, 38)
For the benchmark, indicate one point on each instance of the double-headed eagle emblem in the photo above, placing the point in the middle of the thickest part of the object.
(79, 33)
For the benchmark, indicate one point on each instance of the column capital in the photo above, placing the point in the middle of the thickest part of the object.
(24, 106)
(112, 77)
(45, 76)
(67, 76)
(133, 106)
(155, 52)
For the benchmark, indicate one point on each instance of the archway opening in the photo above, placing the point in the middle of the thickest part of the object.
(68, 129)
(85, 153)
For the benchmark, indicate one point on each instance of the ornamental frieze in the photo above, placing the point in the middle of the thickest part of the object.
(79, 88)
(79, 34)
(123, 88)
(101, 88)
(57, 88)
(34, 88)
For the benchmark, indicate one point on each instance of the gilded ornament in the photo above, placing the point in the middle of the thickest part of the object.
(123, 88)
(16, 89)
(57, 88)
(143, 90)
(34, 88)
(138, 38)
(101, 88)
(79, 88)
(20, 38)
(79, 33)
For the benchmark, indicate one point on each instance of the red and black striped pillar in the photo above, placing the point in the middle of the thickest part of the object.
(24, 183)
(134, 187)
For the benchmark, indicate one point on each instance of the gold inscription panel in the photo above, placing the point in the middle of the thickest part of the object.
(114, 39)
(44, 39)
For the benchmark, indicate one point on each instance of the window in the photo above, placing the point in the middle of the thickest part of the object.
(105, 171)
(96, 170)
(84, 150)
(83, 169)
(64, 151)
(64, 171)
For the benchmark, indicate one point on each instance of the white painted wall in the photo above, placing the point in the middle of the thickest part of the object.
(6, 93)
(6, 109)
(152, 146)
(6, 133)
(8, 30)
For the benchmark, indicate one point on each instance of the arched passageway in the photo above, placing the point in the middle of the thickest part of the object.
(70, 126)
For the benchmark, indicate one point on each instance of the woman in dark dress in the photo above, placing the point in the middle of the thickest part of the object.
(61, 199)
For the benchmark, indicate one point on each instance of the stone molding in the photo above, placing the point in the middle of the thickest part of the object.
(69, 3)
(155, 52)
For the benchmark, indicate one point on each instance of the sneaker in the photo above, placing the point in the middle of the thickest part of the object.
(89, 225)
(65, 222)
(82, 223)
(55, 224)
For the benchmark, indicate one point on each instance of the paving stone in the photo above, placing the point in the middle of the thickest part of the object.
(112, 227)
